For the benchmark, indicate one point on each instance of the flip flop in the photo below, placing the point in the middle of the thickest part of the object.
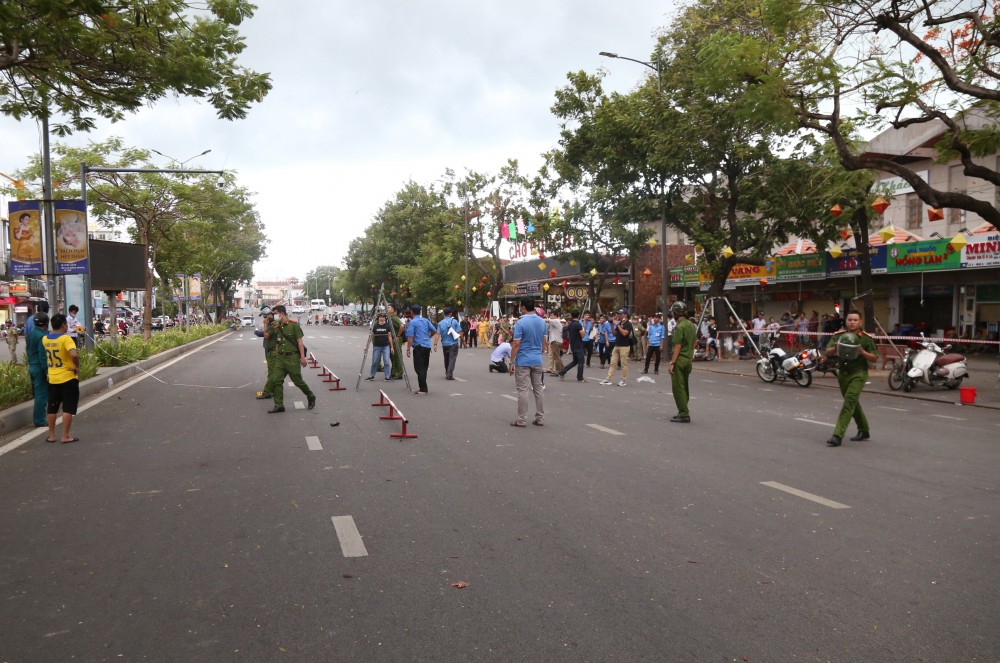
(518, 424)
(49, 441)
(75, 439)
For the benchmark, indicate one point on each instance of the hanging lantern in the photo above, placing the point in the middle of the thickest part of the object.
(835, 251)
(531, 227)
(689, 258)
(934, 214)
(845, 233)
(727, 252)
(593, 271)
(651, 242)
(541, 266)
(546, 287)
(836, 210)
(457, 286)
(698, 248)
(473, 288)
(647, 272)
(887, 233)
(483, 279)
(617, 281)
(489, 294)
(393, 293)
(541, 256)
(880, 205)
(572, 263)
(552, 273)
(763, 281)
(463, 277)
(958, 241)
(564, 283)
(458, 301)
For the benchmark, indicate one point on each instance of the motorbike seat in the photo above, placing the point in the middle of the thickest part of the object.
(949, 358)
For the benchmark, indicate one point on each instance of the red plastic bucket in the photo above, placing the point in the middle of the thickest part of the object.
(967, 395)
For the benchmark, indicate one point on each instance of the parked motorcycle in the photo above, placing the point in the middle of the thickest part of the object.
(897, 376)
(705, 352)
(816, 359)
(933, 366)
(779, 365)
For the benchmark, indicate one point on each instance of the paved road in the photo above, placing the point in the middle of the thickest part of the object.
(189, 525)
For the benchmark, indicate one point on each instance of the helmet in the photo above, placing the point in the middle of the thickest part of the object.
(848, 346)
(678, 308)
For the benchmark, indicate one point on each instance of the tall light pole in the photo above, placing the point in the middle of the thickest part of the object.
(664, 283)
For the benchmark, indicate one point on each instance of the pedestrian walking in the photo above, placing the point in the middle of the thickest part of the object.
(449, 332)
(622, 332)
(289, 358)
(382, 347)
(63, 368)
(419, 332)
(555, 333)
(604, 335)
(855, 348)
(575, 333)
(38, 368)
(530, 336)
(589, 334)
(654, 336)
(10, 333)
(680, 361)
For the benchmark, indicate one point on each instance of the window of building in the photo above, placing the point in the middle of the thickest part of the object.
(914, 208)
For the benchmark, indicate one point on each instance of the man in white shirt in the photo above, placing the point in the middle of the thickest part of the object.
(72, 323)
(555, 337)
(759, 324)
(498, 358)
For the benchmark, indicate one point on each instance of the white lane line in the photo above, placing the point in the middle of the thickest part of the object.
(610, 431)
(744, 386)
(813, 421)
(313, 443)
(945, 416)
(456, 394)
(804, 495)
(897, 409)
(299, 405)
(712, 381)
(350, 539)
(17, 442)
(461, 380)
(508, 396)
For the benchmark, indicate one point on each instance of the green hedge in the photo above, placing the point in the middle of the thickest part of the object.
(15, 383)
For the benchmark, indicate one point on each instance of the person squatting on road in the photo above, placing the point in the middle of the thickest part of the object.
(37, 368)
(622, 329)
(498, 358)
(530, 338)
(64, 378)
(290, 357)
(269, 345)
(449, 332)
(381, 346)
(855, 348)
(418, 338)
(680, 362)
(575, 333)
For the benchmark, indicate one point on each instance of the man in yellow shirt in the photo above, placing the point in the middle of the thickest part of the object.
(64, 378)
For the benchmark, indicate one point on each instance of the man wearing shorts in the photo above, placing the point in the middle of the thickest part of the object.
(64, 378)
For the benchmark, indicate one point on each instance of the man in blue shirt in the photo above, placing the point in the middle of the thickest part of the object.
(418, 337)
(526, 362)
(654, 334)
(450, 332)
(588, 342)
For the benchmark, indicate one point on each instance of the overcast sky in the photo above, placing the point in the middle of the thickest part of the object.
(368, 95)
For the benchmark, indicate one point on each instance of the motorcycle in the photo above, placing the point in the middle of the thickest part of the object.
(705, 352)
(897, 376)
(933, 365)
(779, 365)
(817, 360)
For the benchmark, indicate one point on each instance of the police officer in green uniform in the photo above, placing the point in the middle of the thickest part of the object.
(289, 357)
(680, 361)
(397, 347)
(852, 374)
(270, 343)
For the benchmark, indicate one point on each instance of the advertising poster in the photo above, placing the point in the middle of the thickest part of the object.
(25, 236)
(803, 267)
(194, 288)
(849, 265)
(923, 256)
(744, 274)
(71, 237)
(982, 251)
(179, 289)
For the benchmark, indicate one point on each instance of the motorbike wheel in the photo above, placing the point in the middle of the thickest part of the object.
(765, 372)
(803, 378)
(954, 384)
(908, 384)
(896, 378)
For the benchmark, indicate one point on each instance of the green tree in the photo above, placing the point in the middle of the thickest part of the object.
(86, 58)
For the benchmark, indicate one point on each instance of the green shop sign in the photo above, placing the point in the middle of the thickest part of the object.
(802, 267)
(685, 276)
(923, 256)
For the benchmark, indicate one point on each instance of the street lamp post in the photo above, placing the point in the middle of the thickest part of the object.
(664, 283)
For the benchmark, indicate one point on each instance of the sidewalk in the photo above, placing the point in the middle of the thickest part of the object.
(984, 375)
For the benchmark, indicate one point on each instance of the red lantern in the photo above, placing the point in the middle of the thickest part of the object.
(564, 283)
(934, 214)
(489, 294)
(844, 234)
(552, 273)
(763, 281)
(647, 272)
(617, 281)
(836, 210)
(880, 205)
(541, 256)
(456, 286)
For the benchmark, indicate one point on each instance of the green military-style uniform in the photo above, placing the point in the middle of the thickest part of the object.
(397, 355)
(286, 361)
(852, 376)
(270, 344)
(684, 336)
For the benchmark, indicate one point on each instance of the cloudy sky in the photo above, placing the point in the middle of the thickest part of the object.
(368, 95)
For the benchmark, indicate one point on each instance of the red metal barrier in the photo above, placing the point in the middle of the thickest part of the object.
(395, 414)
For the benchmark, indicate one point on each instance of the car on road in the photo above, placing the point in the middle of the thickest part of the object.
(247, 321)
(157, 324)
(298, 309)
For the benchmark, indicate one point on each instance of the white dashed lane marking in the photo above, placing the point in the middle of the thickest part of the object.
(804, 495)
(509, 397)
(313, 443)
(945, 416)
(813, 421)
(299, 405)
(609, 431)
(350, 538)
(895, 409)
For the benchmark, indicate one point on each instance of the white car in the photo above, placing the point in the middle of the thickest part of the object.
(298, 309)
(247, 321)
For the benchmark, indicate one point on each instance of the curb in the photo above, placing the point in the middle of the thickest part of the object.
(19, 416)
(896, 394)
